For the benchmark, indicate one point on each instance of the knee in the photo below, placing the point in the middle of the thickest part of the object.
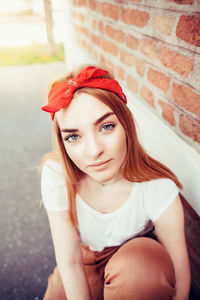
(140, 254)
(131, 262)
(140, 265)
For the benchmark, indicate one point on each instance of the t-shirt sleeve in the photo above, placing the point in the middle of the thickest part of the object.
(160, 194)
(53, 188)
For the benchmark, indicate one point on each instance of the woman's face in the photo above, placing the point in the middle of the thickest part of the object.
(94, 138)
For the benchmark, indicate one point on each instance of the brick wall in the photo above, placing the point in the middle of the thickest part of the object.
(153, 47)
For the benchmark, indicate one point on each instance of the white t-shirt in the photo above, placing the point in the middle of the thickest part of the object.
(146, 202)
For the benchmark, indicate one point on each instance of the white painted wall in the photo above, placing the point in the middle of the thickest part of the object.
(156, 137)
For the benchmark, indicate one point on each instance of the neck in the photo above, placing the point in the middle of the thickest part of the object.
(112, 182)
(107, 184)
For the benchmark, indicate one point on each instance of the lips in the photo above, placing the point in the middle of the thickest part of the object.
(99, 163)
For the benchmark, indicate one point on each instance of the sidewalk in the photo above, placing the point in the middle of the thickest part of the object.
(26, 251)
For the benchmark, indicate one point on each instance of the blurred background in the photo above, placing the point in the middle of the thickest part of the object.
(31, 31)
(31, 56)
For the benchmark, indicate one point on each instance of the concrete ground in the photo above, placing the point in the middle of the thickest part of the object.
(26, 251)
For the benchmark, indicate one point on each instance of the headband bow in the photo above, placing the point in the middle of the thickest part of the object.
(61, 93)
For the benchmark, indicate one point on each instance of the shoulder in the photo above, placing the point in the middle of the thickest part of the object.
(53, 186)
(160, 185)
(158, 195)
(52, 173)
(53, 165)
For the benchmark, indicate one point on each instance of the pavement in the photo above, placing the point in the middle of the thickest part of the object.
(26, 250)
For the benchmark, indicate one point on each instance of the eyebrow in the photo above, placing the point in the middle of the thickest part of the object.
(95, 123)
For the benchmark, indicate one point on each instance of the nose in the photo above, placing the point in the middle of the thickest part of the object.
(93, 148)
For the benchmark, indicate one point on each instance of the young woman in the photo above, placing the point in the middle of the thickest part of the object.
(104, 196)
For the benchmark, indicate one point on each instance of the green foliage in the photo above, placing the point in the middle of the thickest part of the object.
(36, 53)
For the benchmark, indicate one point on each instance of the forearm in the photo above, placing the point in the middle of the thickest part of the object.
(74, 281)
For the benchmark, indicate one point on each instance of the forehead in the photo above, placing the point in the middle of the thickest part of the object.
(83, 109)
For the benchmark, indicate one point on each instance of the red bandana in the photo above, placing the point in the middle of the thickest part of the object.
(61, 93)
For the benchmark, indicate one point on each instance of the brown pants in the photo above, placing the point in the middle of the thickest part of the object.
(140, 269)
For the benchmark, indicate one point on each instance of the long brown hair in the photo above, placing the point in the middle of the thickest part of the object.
(138, 166)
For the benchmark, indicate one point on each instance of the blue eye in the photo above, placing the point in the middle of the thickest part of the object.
(108, 127)
(71, 138)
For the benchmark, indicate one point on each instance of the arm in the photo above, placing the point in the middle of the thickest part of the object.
(169, 229)
(68, 255)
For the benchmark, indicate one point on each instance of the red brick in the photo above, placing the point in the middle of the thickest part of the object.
(148, 48)
(147, 95)
(110, 31)
(121, 73)
(139, 18)
(81, 29)
(82, 42)
(130, 1)
(103, 60)
(132, 84)
(167, 113)
(190, 127)
(92, 5)
(132, 42)
(140, 66)
(107, 64)
(176, 61)
(131, 60)
(95, 39)
(119, 36)
(135, 17)
(90, 48)
(94, 25)
(188, 29)
(84, 30)
(111, 11)
(183, 1)
(96, 55)
(110, 47)
(101, 27)
(127, 58)
(81, 2)
(163, 23)
(159, 79)
(125, 15)
(185, 97)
